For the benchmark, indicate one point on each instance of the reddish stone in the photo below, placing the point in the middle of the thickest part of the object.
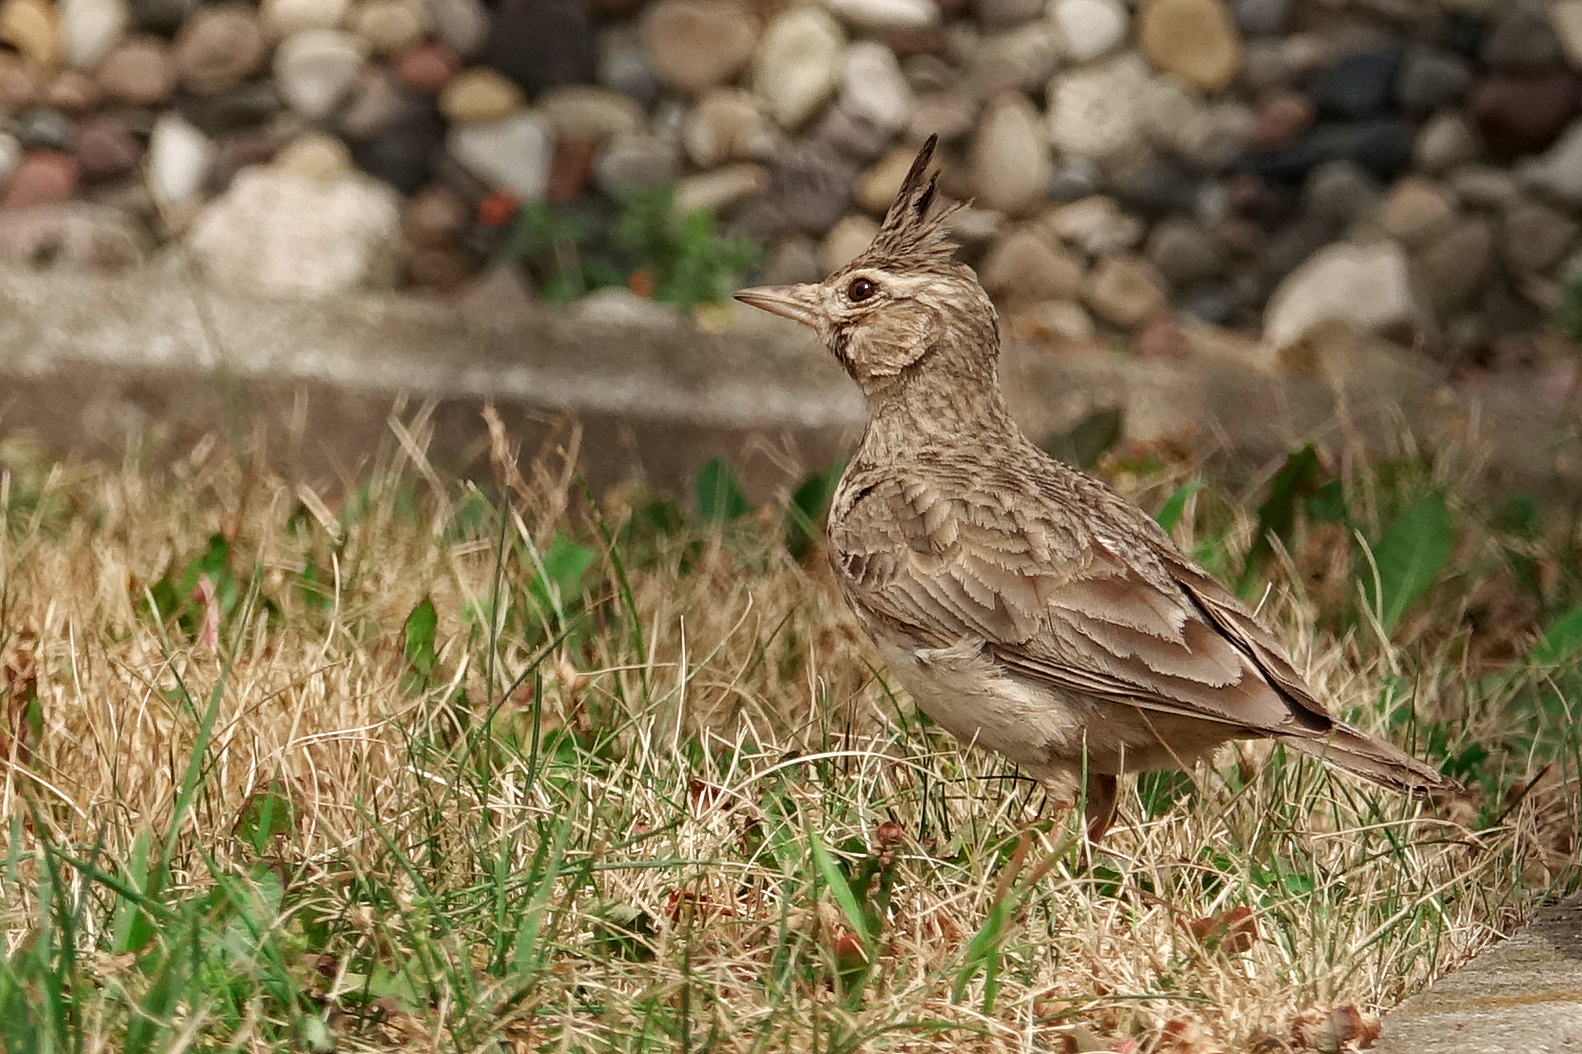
(106, 147)
(925, 41)
(1282, 116)
(497, 208)
(18, 86)
(42, 177)
(1160, 338)
(427, 68)
(138, 73)
(1524, 114)
(1239, 236)
(569, 171)
(72, 93)
(434, 217)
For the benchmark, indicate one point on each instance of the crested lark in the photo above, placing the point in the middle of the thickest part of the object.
(1026, 606)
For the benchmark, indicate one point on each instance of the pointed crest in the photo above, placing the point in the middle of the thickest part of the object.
(915, 225)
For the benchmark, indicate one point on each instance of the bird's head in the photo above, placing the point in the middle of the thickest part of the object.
(905, 306)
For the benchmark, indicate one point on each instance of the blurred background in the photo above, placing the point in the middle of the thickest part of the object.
(1381, 193)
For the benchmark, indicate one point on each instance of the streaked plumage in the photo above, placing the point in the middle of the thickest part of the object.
(1026, 606)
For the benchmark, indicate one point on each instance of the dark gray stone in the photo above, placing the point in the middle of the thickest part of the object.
(540, 43)
(402, 154)
(45, 129)
(1382, 146)
(1430, 78)
(1160, 189)
(1358, 85)
(1522, 40)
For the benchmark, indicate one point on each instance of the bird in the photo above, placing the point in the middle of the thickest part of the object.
(1024, 605)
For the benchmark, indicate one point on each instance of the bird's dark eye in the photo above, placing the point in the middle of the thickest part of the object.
(861, 289)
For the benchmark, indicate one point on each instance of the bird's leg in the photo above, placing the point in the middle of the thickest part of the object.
(1102, 797)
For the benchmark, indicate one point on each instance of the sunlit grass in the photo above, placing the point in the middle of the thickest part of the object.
(422, 768)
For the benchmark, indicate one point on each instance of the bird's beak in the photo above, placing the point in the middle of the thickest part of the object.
(800, 303)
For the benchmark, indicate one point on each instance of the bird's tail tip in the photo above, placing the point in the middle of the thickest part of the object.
(1374, 759)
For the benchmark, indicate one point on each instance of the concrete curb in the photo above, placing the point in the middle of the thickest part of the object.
(92, 364)
(1522, 996)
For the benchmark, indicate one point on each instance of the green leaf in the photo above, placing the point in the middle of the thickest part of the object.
(1560, 641)
(1517, 515)
(1297, 479)
(845, 899)
(1410, 558)
(565, 564)
(1089, 439)
(719, 493)
(1169, 513)
(809, 502)
(417, 636)
(268, 814)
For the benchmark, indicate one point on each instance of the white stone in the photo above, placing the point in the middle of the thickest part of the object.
(872, 86)
(721, 189)
(1368, 286)
(1098, 112)
(1019, 59)
(10, 154)
(285, 17)
(798, 64)
(315, 68)
(90, 28)
(726, 124)
(1557, 172)
(1089, 29)
(1566, 17)
(512, 153)
(886, 14)
(178, 161)
(584, 111)
(1011, 166)
(463, 25)
(282, 234)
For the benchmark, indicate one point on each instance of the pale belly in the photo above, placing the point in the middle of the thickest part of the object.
(1038, 727)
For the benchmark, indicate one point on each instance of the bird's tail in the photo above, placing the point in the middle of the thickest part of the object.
(1374, 759)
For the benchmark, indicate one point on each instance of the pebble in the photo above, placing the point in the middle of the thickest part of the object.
(1282, 117)
(636, 162)
(512, 153)
(797, 66)
(19, 84)
(1485, 187)
(316, 68)
(885, 15)
(624, 65)
(726, 124)
(1261, 18)
(1522, 40)
(570, 170)
(1340, 192)
(1185, 252)
(722, 189)
(809, 189)
(1019, 59)
(32, 27)
(1452, 269)
(137, 73)
(1357, 86)
(315, 155)
(427, 68)
(375, 101)
(285, 17)
(848, 239)
(1535, 237)
(586, 111)
(1523, 114)
(1566, 18)
(402, 151)
(1125, 291)
(105, 148)
(1558, 171)
(89, 29)
(1159, 189)
(877, 187)
(1024, 266)
(40, 177)
(872, 87)
(1444, 142)
(480, 94)
(1055, 322)
(1097, 225)
(1089, 29)
(1073, 179)
(540, 43)
(1416, 209)
(74, 236)
(275, 233)
(45, 129)
(1429, 79)
(390, 27)
(218, 48)
(1368, 286)
(10, 156)
(1011, 164)
(793, 260)
(944, 114)
(463, 25)
(161, 16)
(73, 92)
(1382, 146)
(1193, 40)
(1096, 112)
(434, 217)
(697, 44)
(178, 161)
(1001, 14)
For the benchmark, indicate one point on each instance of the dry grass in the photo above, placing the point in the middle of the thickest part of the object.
(673, 805)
